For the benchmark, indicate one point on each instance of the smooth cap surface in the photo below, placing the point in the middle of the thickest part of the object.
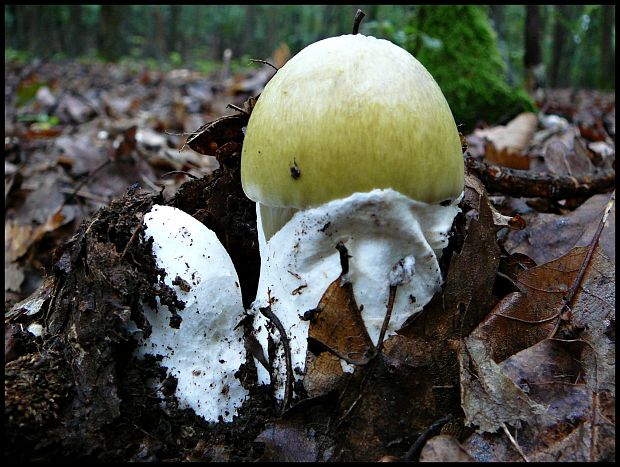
(350, 114)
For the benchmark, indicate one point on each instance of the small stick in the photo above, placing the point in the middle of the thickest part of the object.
(388, 315)
(265, 62)
(271, 316)
(359, 16)
(133, 236)
(514, 443)
(414, 451)
(344, 258)
(237, 108)
(529, 184)
(179, 172)
(568, 301)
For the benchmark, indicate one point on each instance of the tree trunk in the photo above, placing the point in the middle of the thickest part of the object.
(109, 37)
(563, 45)
(534, 66)
(160, 40)
(173, 30)
(75, 47)
(608, 65)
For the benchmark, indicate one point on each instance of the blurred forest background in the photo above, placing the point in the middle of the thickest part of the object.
(577, 42)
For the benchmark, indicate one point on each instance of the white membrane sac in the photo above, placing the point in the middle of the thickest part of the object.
(206, 350)
(391, 239)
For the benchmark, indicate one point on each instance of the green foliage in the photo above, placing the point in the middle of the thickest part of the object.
(459, 48)
(12, 55)
(195, 36)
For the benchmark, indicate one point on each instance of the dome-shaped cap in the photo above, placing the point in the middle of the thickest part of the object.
(349, 114)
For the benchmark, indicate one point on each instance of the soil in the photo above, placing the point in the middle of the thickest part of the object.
(78, 391)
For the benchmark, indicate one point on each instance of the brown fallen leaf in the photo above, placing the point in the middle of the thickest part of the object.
(387, 405)
(444, 448)
(210, 136)
(523, 318)
(336, 331)
(301, 435)
(549, 236)
(550, 373)
(288, 442)
(489, 398)
(561, 160)
(507, 143)
(338, 325)
(571, 297)
(323, 373)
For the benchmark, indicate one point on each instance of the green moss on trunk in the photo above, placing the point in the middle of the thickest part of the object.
(458, 46)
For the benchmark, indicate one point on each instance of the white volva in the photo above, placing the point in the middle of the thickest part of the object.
(379, 229)
(206, 350)
(352, 140)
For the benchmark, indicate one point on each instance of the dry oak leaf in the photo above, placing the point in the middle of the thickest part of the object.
(551, 374)
(336, 332)
(507, 143)
(549, 236)
(522, 319)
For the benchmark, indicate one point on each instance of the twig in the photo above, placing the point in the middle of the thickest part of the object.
(85, 195)
(514, 442)
(237, 108)
(265, 62)
(414, 451)
(179, 172)
(540, 321)
(270, 315)
(524, 183)
(87, 179)
(388, 315)
(131, 239)
(359, 16)
(344, 258)
(593, 431)
(568, 300)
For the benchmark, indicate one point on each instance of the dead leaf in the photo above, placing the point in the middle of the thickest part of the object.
(323, 373)
(507, 143)
(488, 397)
(386, 407)
(550, 374)
(523, 318)
(300, 435)
(444, 448)
(549, 236)
(288, 442)
(209, 137)
(563, 161)
(593, 315)
(338, 325)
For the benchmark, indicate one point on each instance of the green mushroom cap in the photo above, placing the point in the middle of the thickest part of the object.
(350, 114)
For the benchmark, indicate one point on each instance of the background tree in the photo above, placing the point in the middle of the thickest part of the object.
(533, 60)
(109, 33)
(608, 62)
(577, 42)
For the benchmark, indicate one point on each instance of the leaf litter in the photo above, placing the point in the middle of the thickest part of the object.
(500, 363)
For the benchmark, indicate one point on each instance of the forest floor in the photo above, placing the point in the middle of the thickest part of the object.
(89, 148)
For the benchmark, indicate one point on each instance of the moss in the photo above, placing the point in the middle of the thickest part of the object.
(458, 46)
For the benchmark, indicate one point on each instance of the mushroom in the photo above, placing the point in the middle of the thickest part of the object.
(351, 141)
(205, 349)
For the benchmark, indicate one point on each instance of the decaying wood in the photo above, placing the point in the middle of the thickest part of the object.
(529, 184)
